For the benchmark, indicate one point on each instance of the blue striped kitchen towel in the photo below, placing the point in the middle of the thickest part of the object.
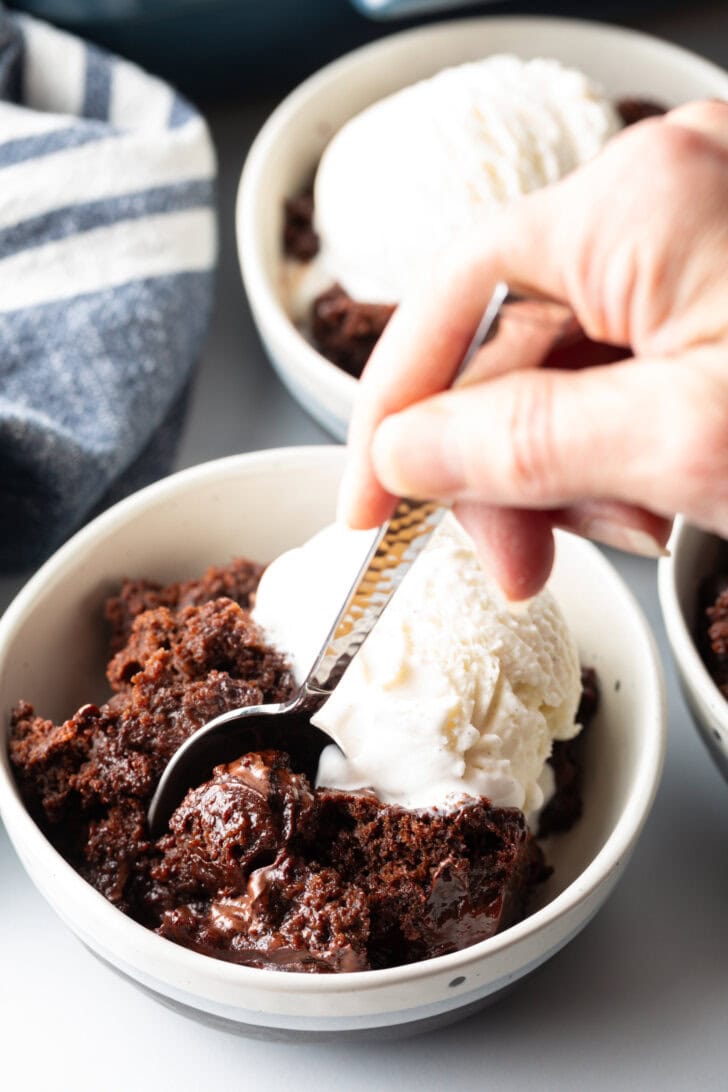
(107, 249)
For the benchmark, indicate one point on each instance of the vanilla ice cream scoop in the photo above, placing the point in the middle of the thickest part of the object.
(415, 170)
(455, 692)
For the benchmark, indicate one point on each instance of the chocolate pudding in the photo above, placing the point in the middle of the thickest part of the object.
(258, 866)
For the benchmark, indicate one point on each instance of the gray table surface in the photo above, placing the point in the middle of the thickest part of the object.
(639, 999)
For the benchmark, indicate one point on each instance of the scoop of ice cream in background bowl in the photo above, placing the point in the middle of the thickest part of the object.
(261, 506)
(419, 168)
(515, 103)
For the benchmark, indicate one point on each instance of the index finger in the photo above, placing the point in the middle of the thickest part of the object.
(425, 339)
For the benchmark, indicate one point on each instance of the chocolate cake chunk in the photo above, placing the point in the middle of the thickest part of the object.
(296, 918)
(192, 642)
(346, 331)
(436, 881)
(236, 581)
(241, 887)
(240, 821)
(278, 874)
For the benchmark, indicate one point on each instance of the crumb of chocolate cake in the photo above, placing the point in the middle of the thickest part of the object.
(567, 761)
(300, 240)
(344, 330)
(712, 636)
(632, 110)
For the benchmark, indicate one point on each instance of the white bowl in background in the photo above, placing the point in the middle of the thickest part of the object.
(51, 641)
(285, 153)
(694, 555)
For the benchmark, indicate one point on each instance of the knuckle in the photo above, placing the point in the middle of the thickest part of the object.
(532, 455)
(670, 148)
(659, 149)
(698, 453)
(708, 115)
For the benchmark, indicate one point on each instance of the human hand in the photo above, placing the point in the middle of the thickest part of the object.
(635, 243)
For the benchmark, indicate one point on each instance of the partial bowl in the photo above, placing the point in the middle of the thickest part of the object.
(694, 555)
(51, 654)
(284, 155)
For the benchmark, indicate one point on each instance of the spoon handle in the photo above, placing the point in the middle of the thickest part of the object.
(398, 543)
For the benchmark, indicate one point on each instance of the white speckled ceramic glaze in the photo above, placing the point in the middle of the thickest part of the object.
(694, 554)
(285, 153)
(52, 654)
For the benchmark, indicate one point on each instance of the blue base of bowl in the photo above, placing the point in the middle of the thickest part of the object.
(286, 1035)
(212, 48)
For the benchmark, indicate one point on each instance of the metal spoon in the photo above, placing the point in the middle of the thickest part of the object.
(287, 726)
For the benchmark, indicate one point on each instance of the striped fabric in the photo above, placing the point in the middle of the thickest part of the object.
(107, 249)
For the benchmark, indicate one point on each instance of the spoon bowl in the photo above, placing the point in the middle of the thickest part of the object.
(282, 726)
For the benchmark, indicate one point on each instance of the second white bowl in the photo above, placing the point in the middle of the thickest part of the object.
(285, 153)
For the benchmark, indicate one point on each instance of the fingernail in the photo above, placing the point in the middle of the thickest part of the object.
(631, 539)
(387, 456)
(414, 455)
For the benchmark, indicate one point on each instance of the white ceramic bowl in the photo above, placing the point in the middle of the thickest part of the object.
(51, 653)
(285, 153)
(694, 555)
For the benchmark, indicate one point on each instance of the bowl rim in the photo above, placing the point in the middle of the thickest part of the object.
(122, 934)
(264, 300)
(684, 648)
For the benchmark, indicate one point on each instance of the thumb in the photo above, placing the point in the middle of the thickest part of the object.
(546, 439)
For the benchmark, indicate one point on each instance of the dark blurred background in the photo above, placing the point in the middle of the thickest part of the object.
(213, 48)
